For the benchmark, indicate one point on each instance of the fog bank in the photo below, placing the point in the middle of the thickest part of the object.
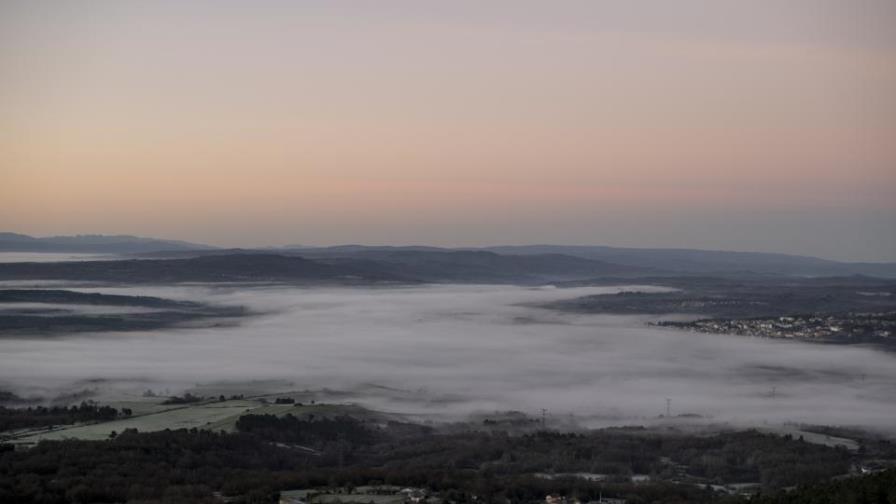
(454, 349)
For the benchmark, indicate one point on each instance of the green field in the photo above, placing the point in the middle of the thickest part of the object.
(216, 416)
(177, 417)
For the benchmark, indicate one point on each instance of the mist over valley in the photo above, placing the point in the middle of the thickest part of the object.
(447, 351)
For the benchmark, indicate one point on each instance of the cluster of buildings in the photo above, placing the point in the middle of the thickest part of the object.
(843, 328)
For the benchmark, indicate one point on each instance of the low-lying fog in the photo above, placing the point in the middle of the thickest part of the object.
(459, 349)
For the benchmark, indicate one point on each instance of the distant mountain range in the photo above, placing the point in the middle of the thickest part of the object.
(95, 244)
(434, 265)
(206, 268)
(639, 261)
(527, 263)
(693, 261)
(250, 266)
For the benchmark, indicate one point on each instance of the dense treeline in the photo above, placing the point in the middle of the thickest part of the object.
(188, 466)
(307, 430)
(42, 416)
(733, 457)
(174, 466)
(771, 460)
(187, 398)
(271, 454)
(877, 488)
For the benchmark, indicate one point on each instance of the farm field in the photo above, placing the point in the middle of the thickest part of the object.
(154, 416)
(177, 417)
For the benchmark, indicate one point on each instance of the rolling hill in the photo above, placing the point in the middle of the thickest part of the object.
(103, 244)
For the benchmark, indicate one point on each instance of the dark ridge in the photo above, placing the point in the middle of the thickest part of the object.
(101, 244)
(53, 321)
(214, 268)
(58, 296)
(482, 266)
(395, 266)
(714, 262)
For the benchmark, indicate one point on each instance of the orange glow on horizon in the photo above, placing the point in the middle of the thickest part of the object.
(260, 124)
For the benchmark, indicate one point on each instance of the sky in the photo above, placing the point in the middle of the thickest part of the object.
(737, 125)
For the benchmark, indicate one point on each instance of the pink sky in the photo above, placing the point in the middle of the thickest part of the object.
(750, 125)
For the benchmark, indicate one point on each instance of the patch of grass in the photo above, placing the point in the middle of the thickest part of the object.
(186, 417)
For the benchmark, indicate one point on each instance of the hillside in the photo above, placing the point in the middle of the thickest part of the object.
(479, 266)
(109, 244)
(212, 268)
(694, 261)
(357, 267)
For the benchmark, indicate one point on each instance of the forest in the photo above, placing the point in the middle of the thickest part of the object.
(270, 454)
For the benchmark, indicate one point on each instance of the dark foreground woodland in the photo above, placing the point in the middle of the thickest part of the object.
(270, 454)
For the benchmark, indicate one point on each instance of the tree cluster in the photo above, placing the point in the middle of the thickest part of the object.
(43, 416)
